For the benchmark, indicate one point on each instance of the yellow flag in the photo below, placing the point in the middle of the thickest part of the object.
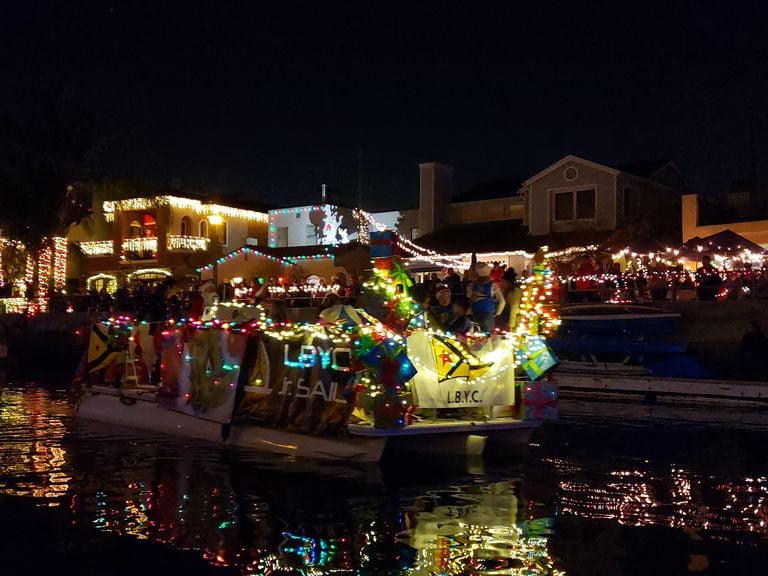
(453, 360)
(101, 349)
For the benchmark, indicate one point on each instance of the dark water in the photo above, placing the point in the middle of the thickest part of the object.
(593, 496)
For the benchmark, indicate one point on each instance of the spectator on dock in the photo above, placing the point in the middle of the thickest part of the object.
(708, 279)
(754, 351)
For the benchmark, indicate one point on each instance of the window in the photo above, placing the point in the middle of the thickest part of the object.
(186, 226)
(204, 228)
(282, 236)
(577, 205)
(222, 233)
(631, 202)
(311, 235)
(564, 206)
(585, 204)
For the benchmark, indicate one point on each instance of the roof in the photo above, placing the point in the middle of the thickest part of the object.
(500, 235)
(565, 160)
(491, 190)
(643, 169)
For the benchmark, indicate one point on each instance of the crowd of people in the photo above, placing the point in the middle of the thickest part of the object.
(589, 281)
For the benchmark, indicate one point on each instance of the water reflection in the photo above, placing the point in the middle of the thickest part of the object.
(33, 461)
(269, 516)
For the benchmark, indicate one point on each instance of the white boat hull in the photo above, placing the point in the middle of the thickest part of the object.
(137, 409)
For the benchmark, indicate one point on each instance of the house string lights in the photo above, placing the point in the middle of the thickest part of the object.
(97, 247)
(198, 207)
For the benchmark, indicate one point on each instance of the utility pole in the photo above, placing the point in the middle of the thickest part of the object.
(360, 178)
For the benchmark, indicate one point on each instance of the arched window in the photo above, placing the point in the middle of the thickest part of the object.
(204, 228)
(186, 226)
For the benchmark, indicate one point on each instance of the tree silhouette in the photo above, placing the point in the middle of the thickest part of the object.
(46, 147)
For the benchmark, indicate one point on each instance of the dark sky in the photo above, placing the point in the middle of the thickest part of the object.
(276, 98)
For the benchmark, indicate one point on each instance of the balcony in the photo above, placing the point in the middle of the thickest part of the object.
(97, 248)
(188, 243)
(144, 248)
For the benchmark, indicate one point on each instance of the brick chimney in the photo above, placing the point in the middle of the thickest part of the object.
(435, 190)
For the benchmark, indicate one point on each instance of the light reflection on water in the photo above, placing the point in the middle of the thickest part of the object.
(264, 516)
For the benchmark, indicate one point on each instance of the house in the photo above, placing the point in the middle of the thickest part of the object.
(577, 195)
(438, 207)
(702, 219)
(326, 225)
(158, 237)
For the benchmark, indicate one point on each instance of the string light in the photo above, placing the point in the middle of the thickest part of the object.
(44, 271)
(144, 244)
(111, 281)
(97, 247)
(202, 208)
(194, 243)
(284, 260)
(59, 262)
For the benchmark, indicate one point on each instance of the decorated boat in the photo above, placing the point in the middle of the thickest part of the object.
(345, 387)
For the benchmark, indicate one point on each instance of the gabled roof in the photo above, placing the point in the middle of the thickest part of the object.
(565, 160)
(497, 236)
(643, 169)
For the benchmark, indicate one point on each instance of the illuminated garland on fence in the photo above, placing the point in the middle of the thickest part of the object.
(145, 244)
(97, 247)
(285, 260)
(196, 243)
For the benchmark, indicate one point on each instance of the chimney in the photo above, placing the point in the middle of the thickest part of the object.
(435, 190)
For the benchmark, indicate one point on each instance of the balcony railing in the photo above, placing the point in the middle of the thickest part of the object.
(97, 247)
(189, 243)
(140, 245)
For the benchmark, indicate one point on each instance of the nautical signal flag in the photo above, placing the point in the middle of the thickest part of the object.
(453, 361)
(102, 349)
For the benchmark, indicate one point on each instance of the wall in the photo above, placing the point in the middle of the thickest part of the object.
(756, 231)
(659, 207)
(485, 210)
(539, 200)
(343, 224)
(435, 190)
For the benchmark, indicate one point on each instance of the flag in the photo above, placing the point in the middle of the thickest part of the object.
(101, 348)
(452, 361)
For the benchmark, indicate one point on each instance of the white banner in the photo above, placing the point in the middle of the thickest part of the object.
(494, 388)
(460, 393)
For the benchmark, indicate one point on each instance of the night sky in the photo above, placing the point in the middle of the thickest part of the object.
(273, 99)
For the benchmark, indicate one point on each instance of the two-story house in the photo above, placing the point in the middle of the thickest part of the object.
(575, 195)
(158, 237)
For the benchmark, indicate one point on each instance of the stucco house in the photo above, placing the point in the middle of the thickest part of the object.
(576, 195)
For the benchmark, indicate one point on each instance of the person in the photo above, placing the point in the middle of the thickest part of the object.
(422, 318)
(487, 300)
(277, 311)
(709, 281)
(461, 323)
(754, 348)
(512, 296)
(453, 281)
(442, 310)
